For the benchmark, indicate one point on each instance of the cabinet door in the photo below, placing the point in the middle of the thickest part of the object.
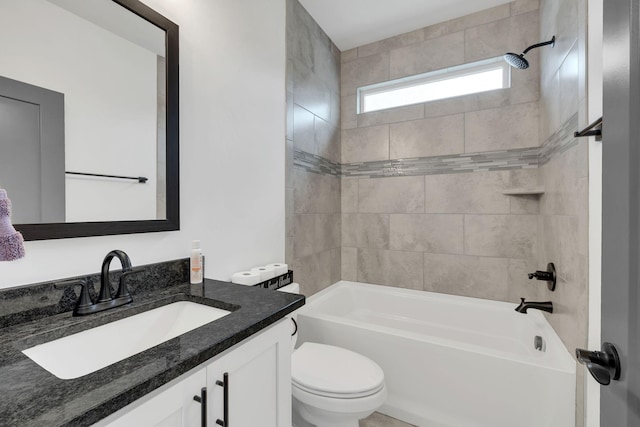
(257, 379)
(170, 406)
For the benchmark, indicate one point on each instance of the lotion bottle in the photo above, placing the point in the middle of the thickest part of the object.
(196, 263)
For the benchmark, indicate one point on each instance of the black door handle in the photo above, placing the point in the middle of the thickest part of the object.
(224, 422)
(602, 365)
(202, 399)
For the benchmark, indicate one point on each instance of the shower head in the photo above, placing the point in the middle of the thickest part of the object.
(516, 61)
(519, 61)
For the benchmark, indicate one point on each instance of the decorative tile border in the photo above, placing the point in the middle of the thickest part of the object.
(460, 163)
(315, 164)
(560, 141)
(521, 158)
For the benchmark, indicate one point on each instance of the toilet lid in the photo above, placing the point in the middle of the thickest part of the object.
(333, 371)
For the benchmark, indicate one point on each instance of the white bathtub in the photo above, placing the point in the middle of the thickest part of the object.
(449, 361)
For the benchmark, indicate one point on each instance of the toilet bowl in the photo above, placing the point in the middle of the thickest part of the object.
(332, 386)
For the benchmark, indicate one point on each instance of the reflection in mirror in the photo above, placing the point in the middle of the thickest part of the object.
(83, 113)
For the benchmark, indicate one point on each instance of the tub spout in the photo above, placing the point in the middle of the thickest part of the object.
(526, 305)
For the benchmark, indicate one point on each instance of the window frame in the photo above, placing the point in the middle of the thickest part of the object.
(448, 73)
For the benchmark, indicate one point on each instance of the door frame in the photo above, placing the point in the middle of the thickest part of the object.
(594, 111)
(619, 403)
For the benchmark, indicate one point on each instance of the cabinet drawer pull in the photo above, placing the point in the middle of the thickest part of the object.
(224, 422)
(202, 400)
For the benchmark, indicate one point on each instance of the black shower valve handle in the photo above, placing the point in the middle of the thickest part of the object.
(548, 276)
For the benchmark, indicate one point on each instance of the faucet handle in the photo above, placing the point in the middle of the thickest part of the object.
(84, 301)
(123, 292)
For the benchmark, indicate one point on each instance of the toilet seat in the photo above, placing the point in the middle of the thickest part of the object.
(334, 372)
(343, 406)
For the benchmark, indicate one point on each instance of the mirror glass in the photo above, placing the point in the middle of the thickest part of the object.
(83, 112)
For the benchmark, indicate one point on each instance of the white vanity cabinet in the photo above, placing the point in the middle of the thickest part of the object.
(247, 385)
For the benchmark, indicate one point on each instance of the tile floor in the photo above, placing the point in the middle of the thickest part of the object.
(379, 420)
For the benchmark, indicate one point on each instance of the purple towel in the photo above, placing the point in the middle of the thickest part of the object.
(11, 241)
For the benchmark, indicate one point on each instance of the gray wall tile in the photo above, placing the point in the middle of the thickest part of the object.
(468, 21)
(569, 84)
(311, 91)
(316, 272)
(433, 54)
(524, 6)
(509, 236)
(313, 201)
(348, 116)
(392, 115)
(365, 144)
(560, 178)
(391, 195)
(524, 204)
(392, 268)
(349, 195)
(506, 35)
(314, 193)
(429, 137)
(502, 128)
(289, 118)
(364, 71)
(525, 84)
(478, 192)
(349, 55)
(473, 102)
(391, 43)
(313, 233)
(519, 284)
(367, 231)
(525, 178)
(473, 276)
(349, 264)
(327, 140)
(427, 233)
(303, 130)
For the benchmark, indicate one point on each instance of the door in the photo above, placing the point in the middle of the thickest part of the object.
(620, 401)
(251, 386)
(32, 133)
(171, 406)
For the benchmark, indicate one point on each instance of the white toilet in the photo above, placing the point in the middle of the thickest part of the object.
(332, 386)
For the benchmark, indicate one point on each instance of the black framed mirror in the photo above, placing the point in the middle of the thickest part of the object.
(118, 165)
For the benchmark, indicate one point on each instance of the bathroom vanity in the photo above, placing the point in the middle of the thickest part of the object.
(236, 368)
(249, 384)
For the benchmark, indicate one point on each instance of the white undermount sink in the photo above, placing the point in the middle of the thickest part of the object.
(80, 354)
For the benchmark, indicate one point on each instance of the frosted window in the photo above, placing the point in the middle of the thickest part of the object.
(477, 77)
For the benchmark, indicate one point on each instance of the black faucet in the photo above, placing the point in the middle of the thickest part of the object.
(526, 305)
(106, 300)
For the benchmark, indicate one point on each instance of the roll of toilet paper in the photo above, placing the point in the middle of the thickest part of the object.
(248, 278)
(265, 272)
(280, 268)
(292, 288)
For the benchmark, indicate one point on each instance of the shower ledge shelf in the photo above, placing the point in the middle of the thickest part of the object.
(535, 191)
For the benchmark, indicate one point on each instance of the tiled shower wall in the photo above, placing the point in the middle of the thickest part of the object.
(563, 227)
(413, 196)
(440, 221)
(313, 120)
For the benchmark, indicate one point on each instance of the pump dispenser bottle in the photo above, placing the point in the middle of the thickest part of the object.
(196, 263)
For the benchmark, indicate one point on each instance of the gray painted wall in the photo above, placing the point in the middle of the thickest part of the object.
(32, 161)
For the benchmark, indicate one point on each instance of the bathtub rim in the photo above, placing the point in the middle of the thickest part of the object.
(562, 362)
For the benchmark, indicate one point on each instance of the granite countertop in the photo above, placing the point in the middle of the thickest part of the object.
(31, 396)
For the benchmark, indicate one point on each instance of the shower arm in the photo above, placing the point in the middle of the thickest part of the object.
(552, 41)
